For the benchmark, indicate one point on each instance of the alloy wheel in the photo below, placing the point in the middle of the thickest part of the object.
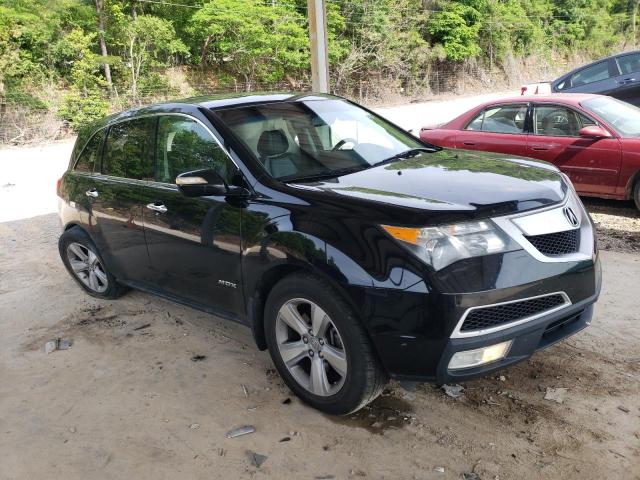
(87, 267)
(311, 347)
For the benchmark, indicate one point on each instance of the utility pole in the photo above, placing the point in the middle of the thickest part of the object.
(318, 36)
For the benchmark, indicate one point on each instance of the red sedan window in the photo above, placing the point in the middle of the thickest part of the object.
(500, 119)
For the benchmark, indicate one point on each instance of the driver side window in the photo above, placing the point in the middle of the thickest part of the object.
(557, 121)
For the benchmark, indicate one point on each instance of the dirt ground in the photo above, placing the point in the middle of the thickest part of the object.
(127, 400)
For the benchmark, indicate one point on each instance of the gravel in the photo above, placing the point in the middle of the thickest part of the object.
(617, 224)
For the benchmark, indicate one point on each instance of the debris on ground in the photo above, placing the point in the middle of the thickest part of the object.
(194, 426)
(57, 344)
(454, 391)
(556, 394)
(72, 430)
(8, 185)
(244, 389)
(470, 476)
(198, 358)
(325, 477)
(237, 432)
(439, 469)
(285, 439)
(622, 408)
(257, 458)
(142, 327)
(286, 401)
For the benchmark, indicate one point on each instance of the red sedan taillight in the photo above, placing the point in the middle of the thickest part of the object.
(58, 185)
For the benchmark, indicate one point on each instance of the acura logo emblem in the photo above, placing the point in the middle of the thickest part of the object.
(571, 216)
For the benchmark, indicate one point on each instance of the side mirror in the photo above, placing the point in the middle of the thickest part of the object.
(200, 183)
(594, 132)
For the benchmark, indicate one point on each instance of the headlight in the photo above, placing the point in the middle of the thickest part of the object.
(443, 245)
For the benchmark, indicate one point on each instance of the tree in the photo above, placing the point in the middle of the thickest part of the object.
(150, 41)
(250, 39)
(103, 44)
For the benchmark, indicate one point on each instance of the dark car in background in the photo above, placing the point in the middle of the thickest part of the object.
(617, 76)
(353, 250)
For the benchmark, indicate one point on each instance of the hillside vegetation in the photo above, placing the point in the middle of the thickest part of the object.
(64, 63)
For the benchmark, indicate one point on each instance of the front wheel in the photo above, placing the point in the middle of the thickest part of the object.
(319, 347)
(636, 194)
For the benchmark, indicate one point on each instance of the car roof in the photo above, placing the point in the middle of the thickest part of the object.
(213, 102)
(569, 98)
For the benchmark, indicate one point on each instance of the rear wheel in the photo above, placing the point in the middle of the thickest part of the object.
(319, 347)
(636, 193)
(82, 260)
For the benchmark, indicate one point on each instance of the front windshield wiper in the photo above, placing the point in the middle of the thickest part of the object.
(412, 152)
(323, 175)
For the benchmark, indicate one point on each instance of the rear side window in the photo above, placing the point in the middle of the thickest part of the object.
(594, 73)
(184, 145)
(629, 63)
(90, 156)
(502, 119)
(129, 149)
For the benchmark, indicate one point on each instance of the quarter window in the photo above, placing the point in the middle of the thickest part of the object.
(557, 121)
(594, 73)
(503, 119)
(184, 145)
(91, 154)
(629, 63)
(129, 149)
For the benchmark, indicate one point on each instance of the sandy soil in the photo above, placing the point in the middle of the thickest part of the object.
(129, 402)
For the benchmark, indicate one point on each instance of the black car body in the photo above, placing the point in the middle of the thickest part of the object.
(617, 76)
(225, 251)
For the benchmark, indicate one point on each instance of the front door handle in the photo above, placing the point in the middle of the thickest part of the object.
(540, 148)
(157, 207)
(469, 144)
(627, 81)
(93, 193)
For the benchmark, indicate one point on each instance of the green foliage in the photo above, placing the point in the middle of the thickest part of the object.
(254, 44)
(246, 38)
(80, 110)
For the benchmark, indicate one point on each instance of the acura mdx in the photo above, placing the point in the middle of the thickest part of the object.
(354, 251)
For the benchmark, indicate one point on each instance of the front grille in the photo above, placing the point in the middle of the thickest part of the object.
(559, 243)
(489, 317)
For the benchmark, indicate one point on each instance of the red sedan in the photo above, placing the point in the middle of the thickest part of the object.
(594, 139)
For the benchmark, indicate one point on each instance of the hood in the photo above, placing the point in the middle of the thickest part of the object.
(475, 183)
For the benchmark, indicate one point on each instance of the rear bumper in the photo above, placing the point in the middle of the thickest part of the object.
(417, 345)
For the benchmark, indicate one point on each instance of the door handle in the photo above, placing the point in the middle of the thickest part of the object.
(540, 148)
(93, 193)
(470, 144)
(157, 207)
(627, 81)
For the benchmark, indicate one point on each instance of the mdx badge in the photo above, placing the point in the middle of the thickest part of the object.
(227, 284)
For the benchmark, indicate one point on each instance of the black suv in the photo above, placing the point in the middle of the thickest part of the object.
(353, 250)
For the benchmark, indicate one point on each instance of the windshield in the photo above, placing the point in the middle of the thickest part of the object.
(315, 137)
(625, 118)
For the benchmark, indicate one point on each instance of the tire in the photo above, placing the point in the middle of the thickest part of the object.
(636, 193)
(85, 264)
(331, 365)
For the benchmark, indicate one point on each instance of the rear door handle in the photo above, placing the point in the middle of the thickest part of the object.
(540, 148)
(627, 81)
(93, 193)
(157, 207)
(470, 144)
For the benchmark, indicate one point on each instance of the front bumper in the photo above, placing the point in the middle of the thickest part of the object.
(412, 330)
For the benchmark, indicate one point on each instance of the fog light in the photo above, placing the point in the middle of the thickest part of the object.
(479, 356)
